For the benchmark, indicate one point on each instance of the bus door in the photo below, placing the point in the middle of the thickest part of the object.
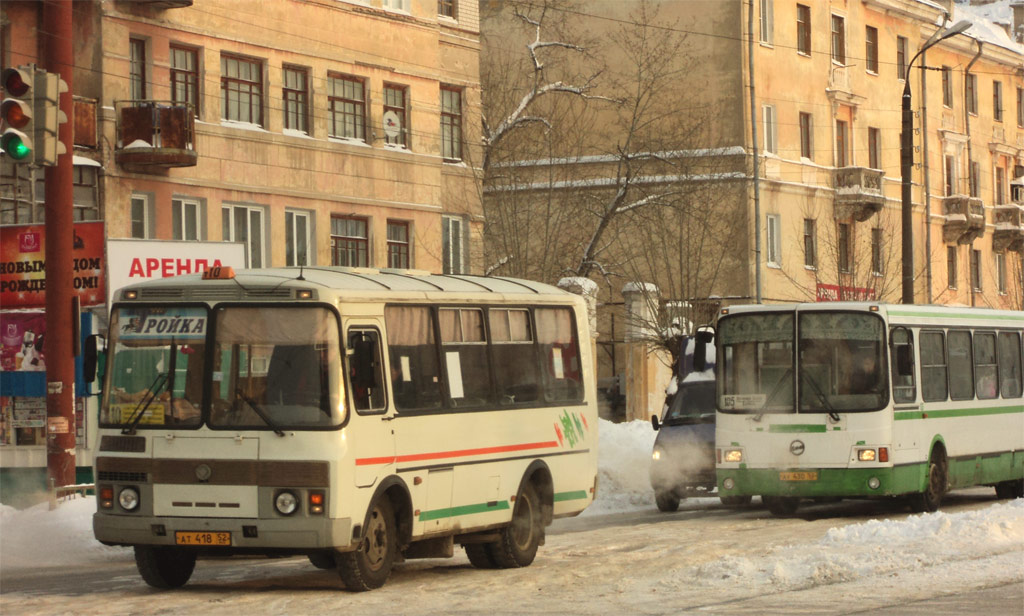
(371, 438)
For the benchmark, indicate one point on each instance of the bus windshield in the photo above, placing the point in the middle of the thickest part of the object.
(840, 363)
(156, 368)
(275, 368)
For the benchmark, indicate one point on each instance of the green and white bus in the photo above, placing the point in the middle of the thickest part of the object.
(354, 416)
(866, 400)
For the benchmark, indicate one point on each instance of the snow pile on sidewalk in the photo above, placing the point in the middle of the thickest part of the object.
(624, 462)
(38, 537)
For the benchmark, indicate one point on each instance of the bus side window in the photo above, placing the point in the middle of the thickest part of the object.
(985, 365)
(560, 354)
(1009, 365)
(412, 351)
(933, 367)
(366, 376)
(902, 360)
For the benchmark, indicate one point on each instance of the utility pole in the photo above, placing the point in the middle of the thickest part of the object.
(55, 39)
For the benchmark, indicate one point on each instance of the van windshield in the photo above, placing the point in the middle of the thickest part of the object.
(693, 403)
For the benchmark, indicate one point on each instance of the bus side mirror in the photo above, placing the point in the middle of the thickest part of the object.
(905, 360)
(701, 341)
(363, 373)
(654, 423)
(91, 360)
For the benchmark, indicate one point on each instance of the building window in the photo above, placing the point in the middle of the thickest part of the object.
(810, 242)
(803, 29)
(997, 101)
(767, 21)
(295, 90)
(346, 105)
(397, 5)
(451, 124)
(876, 251)
(398, 245)
(901, 57)
(452, 242)
(972, 93)
(350, 241)
(874, 148)
(1020, 107)
(806, 136)
(838, 39)
(1001, 272)
(137, 68)
(297, 233)
(395, 128)
(773, 241)
(976, 270)
(769, 128)
(142, 217)
(950, 173)
(85, 191)
(844, 240)
(951, 267)
(186, 219)
(947, 87)
(185, 76)
(1000, 186)
(244, 224)
(973, 175)
(871, 49)
(842, 143)
(446, 8)
(241, 85)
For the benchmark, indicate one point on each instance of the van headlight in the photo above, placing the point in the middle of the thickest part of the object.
(658, 454)
(286, 503)
(129, 499)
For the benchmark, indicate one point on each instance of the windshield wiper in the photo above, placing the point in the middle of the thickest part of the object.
(259, 411)
(147, 398)
(778, 387)
(821, 396)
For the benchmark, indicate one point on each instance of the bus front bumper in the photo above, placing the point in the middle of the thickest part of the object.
(299, 534)
(822, 482)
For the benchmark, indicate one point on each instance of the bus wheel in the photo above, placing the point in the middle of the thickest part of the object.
(479, 555)
(1010, 489)
(520, 539)
(369, 565)
(323, 560)
(666, 501)
(781, 505)
(165, 567)
(736, 501)
(931, 498)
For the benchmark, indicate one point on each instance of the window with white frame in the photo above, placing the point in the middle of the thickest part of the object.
(770, 129)
(839, 39)
(947, 87)
(773, 240)
(186, 219)
(767, 21)
(397, 5)
(244, 223)
(901, 57)
(452, 242)
(350, 241)
(297, 236)
(871, 49)
(398, 244)
(451, 124)
(395, 116)
(142, 217)
(1001, 272)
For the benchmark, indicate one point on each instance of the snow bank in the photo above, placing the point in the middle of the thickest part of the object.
(624, 462)
(38, 537)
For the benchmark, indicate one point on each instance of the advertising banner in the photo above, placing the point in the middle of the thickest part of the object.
(21, 341)
(23, 265)
(131, 261)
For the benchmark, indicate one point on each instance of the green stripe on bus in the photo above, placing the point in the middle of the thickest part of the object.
(968, 412)
(451, 512)
(567, 496)
(959, 315)
(797, 428)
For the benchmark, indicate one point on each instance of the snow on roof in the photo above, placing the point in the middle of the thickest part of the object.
(640, 287)
(588, 286)
(985, 20)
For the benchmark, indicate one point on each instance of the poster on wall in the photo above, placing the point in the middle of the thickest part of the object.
(131, 261)
(23, 265)
(23, 421)
(21, 341)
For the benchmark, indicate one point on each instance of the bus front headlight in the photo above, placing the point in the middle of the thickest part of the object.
(286, 503)
(129, 499)
(732, 455)
(657, 454)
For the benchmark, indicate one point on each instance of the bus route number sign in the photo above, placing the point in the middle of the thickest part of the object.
(205, 538)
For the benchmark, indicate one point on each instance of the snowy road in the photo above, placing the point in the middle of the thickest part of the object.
(844, 558)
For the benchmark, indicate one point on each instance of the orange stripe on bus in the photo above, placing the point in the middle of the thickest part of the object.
(453, 454)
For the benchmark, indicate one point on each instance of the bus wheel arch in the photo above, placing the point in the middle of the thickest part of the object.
(538, 474)
(935, 481)
(396, 491)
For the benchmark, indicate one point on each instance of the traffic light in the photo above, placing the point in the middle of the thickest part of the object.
(49, 117)
(16, 113)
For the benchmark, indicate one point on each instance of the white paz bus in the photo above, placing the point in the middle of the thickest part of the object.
(355, 416)
(866, 400)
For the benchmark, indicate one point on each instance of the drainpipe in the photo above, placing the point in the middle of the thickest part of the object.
(967, 129)
(753, 137)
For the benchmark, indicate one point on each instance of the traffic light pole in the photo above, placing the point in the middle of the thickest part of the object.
(58, 345)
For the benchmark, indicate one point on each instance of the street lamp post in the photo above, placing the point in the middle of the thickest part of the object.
(907, 161)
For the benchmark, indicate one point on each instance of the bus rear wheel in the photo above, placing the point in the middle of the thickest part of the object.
(165, 567)
(479, 555)
(369, 566)
(736, 501)
(666, 501)
(931, 498)
(519, 541)
(781, 506)
(1010, 489)
(323, 560)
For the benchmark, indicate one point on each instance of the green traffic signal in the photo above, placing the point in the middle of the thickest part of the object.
(16, 144)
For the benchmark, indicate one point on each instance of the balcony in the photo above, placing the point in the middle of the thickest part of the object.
(965, 219)
(839, 88)
(155, 134)
(858, 192)
(1009, 227)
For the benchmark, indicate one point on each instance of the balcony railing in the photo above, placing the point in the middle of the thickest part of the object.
(155, 134)
(858, 192)
(965, 219)
(1008, 233)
